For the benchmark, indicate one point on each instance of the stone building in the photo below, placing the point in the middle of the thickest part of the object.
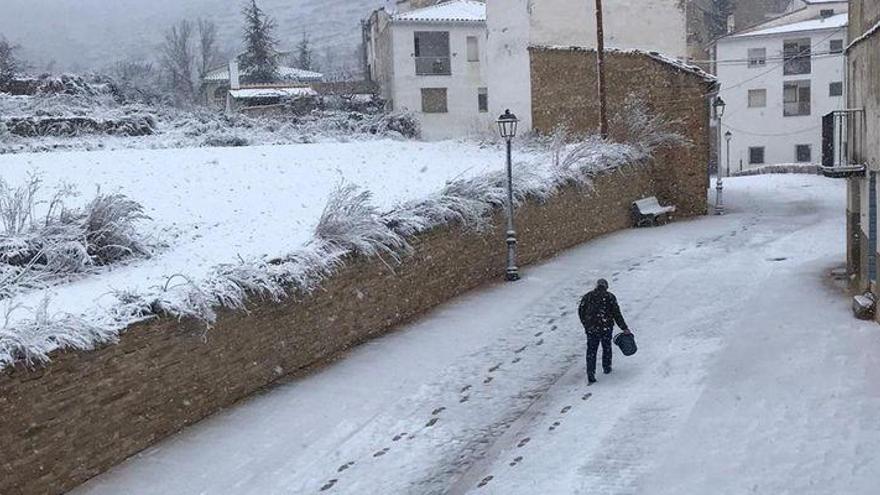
(852, 145)
(679, 29)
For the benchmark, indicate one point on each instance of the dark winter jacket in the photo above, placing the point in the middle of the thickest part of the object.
(599, 311)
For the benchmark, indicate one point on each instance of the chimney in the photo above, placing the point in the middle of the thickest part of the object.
(234, 82)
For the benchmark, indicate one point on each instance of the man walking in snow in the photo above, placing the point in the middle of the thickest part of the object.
(598, 311)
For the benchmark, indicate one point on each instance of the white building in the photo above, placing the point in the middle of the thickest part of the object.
(778, 79)
(431, 61)
(677, 28)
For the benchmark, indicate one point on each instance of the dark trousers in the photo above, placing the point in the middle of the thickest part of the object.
(593, 341)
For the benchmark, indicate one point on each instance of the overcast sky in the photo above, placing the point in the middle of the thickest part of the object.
(84, 34)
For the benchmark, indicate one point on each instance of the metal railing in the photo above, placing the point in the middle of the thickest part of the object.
(843, 141)
(433, 66)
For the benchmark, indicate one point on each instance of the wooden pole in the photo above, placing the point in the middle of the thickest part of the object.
(600, 67)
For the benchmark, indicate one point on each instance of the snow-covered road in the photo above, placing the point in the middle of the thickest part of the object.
(752, 377)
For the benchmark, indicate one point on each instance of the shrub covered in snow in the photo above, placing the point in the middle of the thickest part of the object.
(42, 239)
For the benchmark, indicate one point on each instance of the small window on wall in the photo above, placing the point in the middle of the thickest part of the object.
(483, 100)
(473, 49)
(835, 89)
(757, 57)
(835, 46)
(803, 153)
(757, 98)
(434, 100)
(756, 155)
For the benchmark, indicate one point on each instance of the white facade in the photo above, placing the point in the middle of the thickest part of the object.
(514, 25)
(774, 108)
(446, 86)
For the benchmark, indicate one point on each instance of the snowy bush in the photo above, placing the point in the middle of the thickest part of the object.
(636, 125)
(42, 240)
(350, 222)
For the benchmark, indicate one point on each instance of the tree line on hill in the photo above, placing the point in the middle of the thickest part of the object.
(189, 50)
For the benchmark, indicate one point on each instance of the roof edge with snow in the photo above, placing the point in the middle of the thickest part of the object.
(454, 11)
(657, 56)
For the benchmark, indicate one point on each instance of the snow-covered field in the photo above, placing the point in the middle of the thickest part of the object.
(228, 222)
(220, 205)
(752, 377)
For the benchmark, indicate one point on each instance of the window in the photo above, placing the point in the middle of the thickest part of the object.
(431, 51)
(434, 100)
(796, 98)
(757, 57)
(826, 12)
(797, 55)
(757, 98)
(835, 89)
(835, 46)
(803, 153)
(756, 155)
(483, 100)
(473, 49)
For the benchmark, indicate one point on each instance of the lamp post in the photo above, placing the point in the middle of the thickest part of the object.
(507, 124)
(727, 136)
(719, 106)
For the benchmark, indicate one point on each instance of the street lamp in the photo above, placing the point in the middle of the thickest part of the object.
(727, 136)
(507, 124)
(719, 106)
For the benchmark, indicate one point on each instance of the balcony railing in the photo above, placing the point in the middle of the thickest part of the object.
(843, 137)
(433, 66)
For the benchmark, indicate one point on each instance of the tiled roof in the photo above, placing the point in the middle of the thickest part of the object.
(270, 92)
(838, 21)
(452, 11)
(221, 74)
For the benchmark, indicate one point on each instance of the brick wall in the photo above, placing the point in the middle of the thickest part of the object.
(85, 412)
(564, 93)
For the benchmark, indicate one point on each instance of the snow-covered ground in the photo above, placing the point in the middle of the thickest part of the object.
(220, 205)
(752, 377)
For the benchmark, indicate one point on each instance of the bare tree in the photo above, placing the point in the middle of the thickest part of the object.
(178, 61)
(10, 64)
(209, 53)
(305, 53)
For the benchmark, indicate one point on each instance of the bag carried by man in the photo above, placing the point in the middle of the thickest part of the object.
(627, 343)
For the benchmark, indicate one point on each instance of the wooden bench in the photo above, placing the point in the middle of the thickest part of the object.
(649, 212)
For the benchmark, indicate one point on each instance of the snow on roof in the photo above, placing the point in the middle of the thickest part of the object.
(270, 92)
(838, 21)
(867, 34)
(660, 57)
(452, 11)
(221, 74)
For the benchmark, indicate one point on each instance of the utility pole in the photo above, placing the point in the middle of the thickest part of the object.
(600, 66)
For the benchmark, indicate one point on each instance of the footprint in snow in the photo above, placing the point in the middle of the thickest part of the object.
(555, 425)
(553, 328)
(438, 410)
(540, 342)
(398, 437)
(485, 481)
(521, 349)
(488, 379)
(516, 360)
(381, 452)
(539, 334)
(565, 409)
(551, 321)
(465, 389)
(328, 485)
(495, 368)
(432, 422)
(586, 396)
(522, 443)
(464, 399)
(345, 466)
(515, 461)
